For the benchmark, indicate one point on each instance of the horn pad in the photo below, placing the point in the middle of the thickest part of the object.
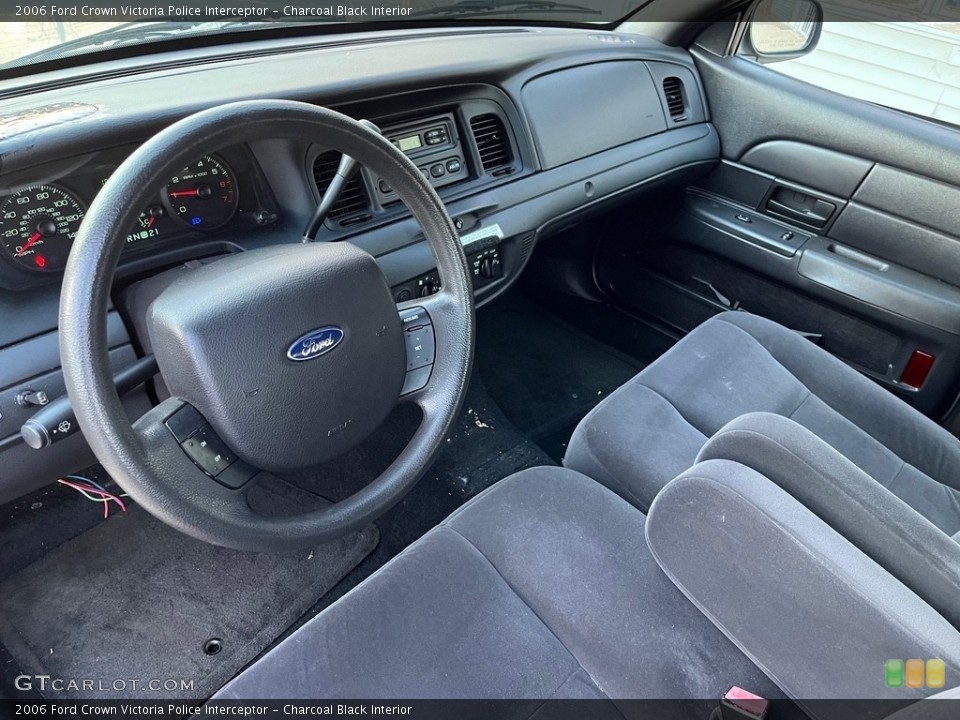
(293, 354)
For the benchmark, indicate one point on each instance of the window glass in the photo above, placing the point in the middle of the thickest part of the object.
(909, 66)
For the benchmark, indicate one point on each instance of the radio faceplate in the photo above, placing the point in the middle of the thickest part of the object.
(434, 145)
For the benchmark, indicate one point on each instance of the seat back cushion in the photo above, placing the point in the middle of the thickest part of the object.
(879, 523)
(810, 609)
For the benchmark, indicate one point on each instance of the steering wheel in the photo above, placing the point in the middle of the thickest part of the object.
(277, 358)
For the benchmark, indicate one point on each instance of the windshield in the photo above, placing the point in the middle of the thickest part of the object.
(31, 34)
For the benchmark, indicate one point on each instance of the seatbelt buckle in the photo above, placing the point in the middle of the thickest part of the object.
(740, 704)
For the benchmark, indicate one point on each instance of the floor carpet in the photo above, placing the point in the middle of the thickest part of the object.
(544, 373)
(133, 599)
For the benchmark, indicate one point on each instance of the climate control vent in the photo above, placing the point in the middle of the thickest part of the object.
(491, 138)
(354, 196)
(673, 92)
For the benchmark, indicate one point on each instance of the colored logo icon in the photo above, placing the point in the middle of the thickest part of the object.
(914, 673)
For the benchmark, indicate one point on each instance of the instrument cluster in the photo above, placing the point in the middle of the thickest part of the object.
(39, 222)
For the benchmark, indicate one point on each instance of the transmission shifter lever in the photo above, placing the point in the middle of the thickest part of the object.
(346, 168)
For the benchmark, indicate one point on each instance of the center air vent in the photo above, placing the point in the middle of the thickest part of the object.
(491, 138)
(352, 199)
(673, 92)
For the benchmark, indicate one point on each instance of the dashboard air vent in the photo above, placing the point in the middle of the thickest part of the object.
(673, 92)
(352, 199)
(491, 138)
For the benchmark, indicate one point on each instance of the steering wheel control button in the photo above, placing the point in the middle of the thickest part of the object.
(208, 451)
(421, 347)
(416, 379)
(237, 475)
(414, 318)
(185, 422)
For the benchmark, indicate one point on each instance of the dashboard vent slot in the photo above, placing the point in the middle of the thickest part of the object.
(673, 92)
(352, 199)
(491, 138)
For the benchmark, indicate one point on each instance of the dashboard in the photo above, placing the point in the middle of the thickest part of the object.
(521, 131)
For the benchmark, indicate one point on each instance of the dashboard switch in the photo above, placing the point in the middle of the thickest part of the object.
(438, 170)
(490, 267)
(29, 398)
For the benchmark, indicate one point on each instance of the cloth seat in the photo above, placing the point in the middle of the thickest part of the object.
(548, 586)
(652, 428)
(541, 587)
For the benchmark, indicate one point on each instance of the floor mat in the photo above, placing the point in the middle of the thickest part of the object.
(544, 373)
(482, 449)
(133, 599)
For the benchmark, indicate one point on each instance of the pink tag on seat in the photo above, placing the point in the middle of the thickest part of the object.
(740, 703)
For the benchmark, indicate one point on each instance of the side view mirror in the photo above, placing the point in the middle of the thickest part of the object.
(783, 29)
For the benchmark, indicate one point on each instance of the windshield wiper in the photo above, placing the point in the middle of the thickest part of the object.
(504, 7)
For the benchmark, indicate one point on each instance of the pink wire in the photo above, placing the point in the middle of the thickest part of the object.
(102, 493)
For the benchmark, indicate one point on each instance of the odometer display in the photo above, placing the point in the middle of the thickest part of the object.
(38, 225)
(203, 195)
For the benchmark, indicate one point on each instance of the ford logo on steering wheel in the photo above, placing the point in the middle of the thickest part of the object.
(315, 343)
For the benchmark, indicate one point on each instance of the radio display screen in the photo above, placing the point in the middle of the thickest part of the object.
(412, 142)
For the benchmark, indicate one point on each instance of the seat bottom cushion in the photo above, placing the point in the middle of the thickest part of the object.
(541, 587)
(652, 428)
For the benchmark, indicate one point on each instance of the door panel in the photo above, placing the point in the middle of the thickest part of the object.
(835, 217)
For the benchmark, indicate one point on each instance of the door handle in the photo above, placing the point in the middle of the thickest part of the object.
(802, 207)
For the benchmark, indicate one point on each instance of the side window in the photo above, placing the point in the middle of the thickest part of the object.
(909, 66)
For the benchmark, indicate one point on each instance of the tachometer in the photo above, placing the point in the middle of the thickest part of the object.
(203, 195)
(38, 224)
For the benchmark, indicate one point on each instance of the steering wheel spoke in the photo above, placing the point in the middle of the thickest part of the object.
(195, 472)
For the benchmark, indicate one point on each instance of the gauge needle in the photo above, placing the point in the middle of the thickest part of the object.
(185, 193)
(26, 246)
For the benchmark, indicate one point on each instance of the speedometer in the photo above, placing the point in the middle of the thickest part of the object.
(203, 195)
(38, 224)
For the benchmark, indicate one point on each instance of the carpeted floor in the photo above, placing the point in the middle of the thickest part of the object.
(135, 599)
(544, 373)
(132, 598)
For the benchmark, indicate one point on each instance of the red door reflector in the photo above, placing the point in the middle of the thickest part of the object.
(917, 369)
